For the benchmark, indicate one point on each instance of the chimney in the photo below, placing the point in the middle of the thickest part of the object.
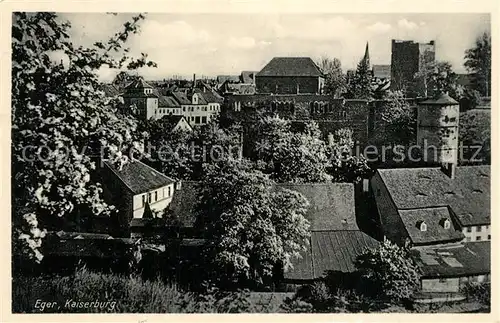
(194, 79)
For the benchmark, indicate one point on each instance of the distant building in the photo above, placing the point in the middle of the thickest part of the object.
(290, 75)
(134, 187)
(197, 105)
(407, 59)
(176, 123)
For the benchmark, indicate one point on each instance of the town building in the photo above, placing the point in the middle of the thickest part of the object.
(407, 59)
(290, 75)
(134, 187)
(198, 106)
(443, 212)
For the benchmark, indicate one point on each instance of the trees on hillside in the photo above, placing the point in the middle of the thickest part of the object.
(251, 227)
(478, 62)
(58, 120)
(335, 80)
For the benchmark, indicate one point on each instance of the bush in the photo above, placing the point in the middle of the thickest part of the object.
(124, 294)
(480, 292)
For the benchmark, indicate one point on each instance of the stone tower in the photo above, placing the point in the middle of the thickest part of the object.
(139, 94)
(437, 132)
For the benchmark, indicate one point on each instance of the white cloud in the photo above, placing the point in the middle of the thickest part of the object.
(406, 24)
(241, 42)
(379, 27)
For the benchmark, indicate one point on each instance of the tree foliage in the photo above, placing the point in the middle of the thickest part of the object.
(335, 80)
(292, 156)
(251, 227)
(388, 272)
(58, 113)
(361, 85)
(478, 62)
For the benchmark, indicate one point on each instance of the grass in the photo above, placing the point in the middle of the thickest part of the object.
(124, 294)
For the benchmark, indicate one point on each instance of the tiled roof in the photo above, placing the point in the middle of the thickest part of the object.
(290, 66)
(139, 84)
(168, 102)
(332, 205)
(239, 88)
(467, 259)
(441, 99)
(139, 177)
(110, 90)
(382, 71)
(434, 219)
(181, 97)
(330, 251)
(184, 202)
(467, 195)
(212, 97)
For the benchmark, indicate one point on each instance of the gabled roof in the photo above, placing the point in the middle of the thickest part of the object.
(330, 251)
(138, 84)
(211, 97)
(332, 205)
(433, 218)
(467, 259)
(291, 66)
(171, 121)
(467, 195)
(181, 97)
(139, 177)
(167, 102)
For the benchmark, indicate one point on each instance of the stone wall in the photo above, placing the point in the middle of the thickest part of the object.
(287, 84)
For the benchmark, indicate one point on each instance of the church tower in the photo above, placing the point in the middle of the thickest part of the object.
(437, 132)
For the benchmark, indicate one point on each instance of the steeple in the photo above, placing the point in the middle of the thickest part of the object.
(366, 58)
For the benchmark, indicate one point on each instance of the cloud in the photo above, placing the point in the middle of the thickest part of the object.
(406, 24)
(241, 42)
(379, 27)
(315, 29)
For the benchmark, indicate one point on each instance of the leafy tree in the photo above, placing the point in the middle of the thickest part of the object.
(361, 85)
(58, 114)
(251, 227)
(289, 156)
(439, 77)
(124, 78)
(344, 166)
(399, 120)
(478, 62)
(388, 272)
(335, 80)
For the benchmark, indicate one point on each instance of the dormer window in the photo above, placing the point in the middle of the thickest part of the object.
(422, 226)
(445, 223)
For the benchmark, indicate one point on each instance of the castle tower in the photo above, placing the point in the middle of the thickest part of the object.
(140, 94)
(437, 132)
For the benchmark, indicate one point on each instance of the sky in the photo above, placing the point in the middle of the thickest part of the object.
(216, 44)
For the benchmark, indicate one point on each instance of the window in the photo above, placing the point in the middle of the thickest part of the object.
(164, 192)
(489, 236)
(149, 197)
(156, 196)
(423, 226)
(169, 191)
(478, 238)
(144, 200)
(344, 114)
(203, 119)
(479, 228)
(446, 223)
(197, 120)
(469, 229)
(183, 109)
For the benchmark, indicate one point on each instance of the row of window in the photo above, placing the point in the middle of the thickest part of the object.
(197, 120)
(478, 238)
(479, 228)
(153, 197)
(325, 107)
(204, 108)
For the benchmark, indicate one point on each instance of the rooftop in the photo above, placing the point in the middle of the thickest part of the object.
(291, 66)
(440, 99)
(138, 84)
(470, 258)
(330, 251)
(139, 177)
(467, 196)
(434, 218)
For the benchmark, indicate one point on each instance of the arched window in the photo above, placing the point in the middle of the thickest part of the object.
(344, 114)
(446, 223)
(422, 226)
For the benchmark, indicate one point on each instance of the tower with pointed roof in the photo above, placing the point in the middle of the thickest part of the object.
(437, 132)
(140, 98)
(366, 58)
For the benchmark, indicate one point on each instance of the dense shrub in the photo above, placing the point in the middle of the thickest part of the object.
(480, 292)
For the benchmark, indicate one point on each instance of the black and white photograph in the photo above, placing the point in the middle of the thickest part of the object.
(250, 162)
